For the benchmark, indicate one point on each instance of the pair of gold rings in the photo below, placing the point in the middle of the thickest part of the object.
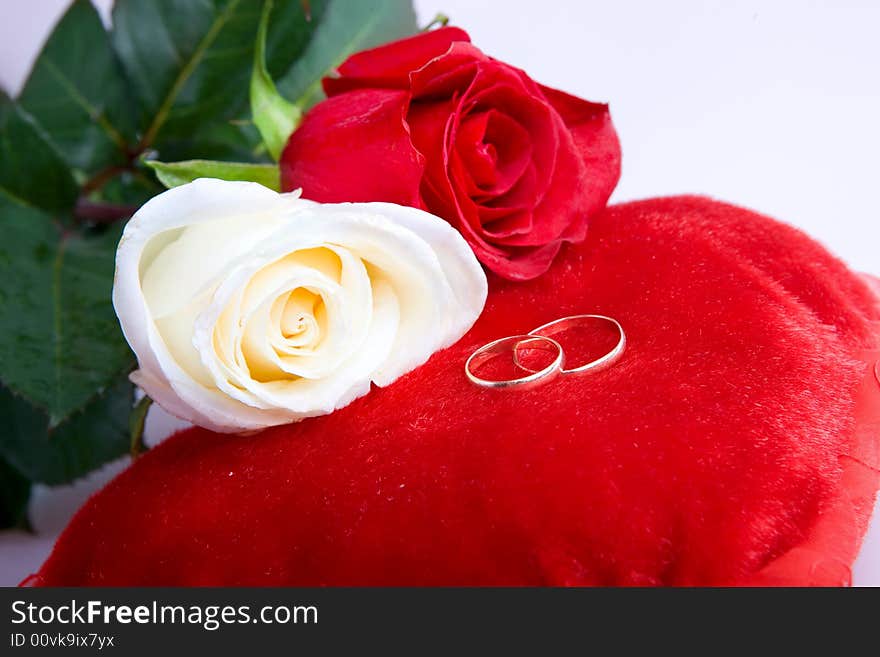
(539, 338)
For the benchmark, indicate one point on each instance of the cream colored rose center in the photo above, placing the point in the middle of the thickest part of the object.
(297, 324)
(278, 328)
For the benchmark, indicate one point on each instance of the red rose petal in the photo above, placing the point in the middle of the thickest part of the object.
(479, 157)
(368, 123)
(449, 74)
(586, 172)
(430, 124)
(503, 92)
(595, 139)
(389, 66)
(521, 264)
(564, 209)
(521, 197)
(515, 151)
(496, 150)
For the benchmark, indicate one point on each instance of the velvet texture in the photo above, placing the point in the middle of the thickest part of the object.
(517, 168)
(734, 443)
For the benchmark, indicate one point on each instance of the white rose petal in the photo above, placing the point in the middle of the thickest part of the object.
(247, 308)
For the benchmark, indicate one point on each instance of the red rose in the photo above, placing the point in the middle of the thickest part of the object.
(433, 122)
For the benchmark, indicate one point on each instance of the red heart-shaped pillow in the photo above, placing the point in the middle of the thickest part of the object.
(734, 443)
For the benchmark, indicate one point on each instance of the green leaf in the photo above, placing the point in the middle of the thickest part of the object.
(346, 27)
(95, 434)
(190, 62)
(60, 342)
(78, 94)
(31, 170)
(132, 188)
(166, 48)
(275, 117)
(238, 140)
(291, 29)
(15, 490)
(172, 174)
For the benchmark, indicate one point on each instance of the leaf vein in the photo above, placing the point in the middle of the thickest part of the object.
(186, 72)
(96, 114)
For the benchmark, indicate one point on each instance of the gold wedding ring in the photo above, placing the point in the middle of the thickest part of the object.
(511, 345)
(565, 323)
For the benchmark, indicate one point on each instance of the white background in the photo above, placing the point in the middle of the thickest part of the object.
(774, 105)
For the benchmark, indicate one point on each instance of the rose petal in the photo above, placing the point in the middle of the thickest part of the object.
(521, 264)
(448, 74)
(509, 145)
(596, 142)
(503, 91)
(563, 210)
(479, 158)
(389, 66)
(318, 156)
(467, 280)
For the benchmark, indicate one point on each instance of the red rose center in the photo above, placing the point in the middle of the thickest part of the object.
(495, 151)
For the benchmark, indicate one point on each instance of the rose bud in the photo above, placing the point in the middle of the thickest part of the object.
(430, 121)
(247, 308)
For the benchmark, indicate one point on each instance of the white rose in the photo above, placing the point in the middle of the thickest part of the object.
(247, 308)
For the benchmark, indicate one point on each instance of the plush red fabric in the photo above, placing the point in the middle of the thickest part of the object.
(518, 168)
(735, 442)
